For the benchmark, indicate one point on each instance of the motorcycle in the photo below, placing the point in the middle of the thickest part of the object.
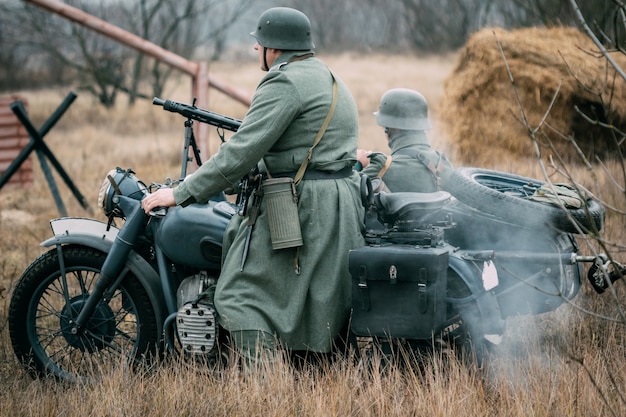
(437, 268)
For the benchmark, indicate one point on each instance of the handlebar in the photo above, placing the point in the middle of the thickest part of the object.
(201, 115)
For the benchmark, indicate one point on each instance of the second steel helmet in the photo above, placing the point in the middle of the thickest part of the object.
(404, 109)
(284, 28)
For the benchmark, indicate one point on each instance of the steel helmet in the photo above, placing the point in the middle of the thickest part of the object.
(284, 28)
(404, 109)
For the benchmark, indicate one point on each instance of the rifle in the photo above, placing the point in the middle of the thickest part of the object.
(253, 213)
(191, 112)
(201, 115)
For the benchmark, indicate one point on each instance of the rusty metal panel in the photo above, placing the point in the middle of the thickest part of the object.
(13, 138)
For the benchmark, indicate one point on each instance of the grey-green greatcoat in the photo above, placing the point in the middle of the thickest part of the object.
(305, 311)
(406, 173)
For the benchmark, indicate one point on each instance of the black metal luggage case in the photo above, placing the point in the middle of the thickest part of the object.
(398, 291)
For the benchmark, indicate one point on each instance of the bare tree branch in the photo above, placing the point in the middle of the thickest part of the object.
(596, 41)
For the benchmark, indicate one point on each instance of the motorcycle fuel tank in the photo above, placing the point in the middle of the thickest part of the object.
(193, 235)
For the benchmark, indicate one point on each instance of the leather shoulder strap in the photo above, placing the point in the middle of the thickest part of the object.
(436, 169)
(318, 137)
(385, 167)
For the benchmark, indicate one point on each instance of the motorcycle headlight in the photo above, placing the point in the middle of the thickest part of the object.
(117, 182)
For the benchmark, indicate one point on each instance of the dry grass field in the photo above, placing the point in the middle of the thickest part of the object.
(566, 363)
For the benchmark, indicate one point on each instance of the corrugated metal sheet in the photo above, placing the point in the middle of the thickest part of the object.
(13, 138)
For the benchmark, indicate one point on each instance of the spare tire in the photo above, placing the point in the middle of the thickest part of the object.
(505, 196)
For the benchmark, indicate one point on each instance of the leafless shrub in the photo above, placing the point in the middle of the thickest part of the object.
(608, 252)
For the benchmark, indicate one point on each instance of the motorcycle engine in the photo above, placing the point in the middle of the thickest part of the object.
(196, 319)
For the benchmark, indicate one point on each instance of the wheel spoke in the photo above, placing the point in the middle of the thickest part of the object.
(82, 282)
(112, 346)
(51, 293)
(93, 346)
(506, 187)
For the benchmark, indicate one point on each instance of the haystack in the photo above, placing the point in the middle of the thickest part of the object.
(480, 114)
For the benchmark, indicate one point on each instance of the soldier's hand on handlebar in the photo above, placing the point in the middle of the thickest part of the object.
(163, 197)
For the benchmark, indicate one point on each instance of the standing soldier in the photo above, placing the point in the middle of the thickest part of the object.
(302, 118)
(412, 166)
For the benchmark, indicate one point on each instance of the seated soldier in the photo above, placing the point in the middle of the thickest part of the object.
(412, 166)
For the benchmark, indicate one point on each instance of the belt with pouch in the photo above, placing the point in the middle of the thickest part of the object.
(314, 174)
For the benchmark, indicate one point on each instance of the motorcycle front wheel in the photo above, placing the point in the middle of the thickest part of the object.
(45, 302)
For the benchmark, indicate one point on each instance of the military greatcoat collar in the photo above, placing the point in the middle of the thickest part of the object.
(407, 138)
(287, 56)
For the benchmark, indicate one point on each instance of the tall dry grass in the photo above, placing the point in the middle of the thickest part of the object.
(565, 363)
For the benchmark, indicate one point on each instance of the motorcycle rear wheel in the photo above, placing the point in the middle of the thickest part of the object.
(122, 329)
